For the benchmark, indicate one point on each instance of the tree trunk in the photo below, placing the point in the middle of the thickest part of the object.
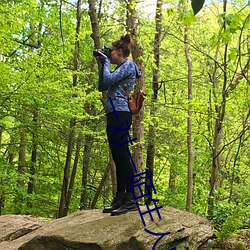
(94, 24)
(11, 152)
(217, 142)
(32, 167)
(151, 133)
(97, 44)
(137, 52)
(99, 189)
(9, 160)
(21, 159)
(66, 176)
(35, 112)
(64, 191)
(189, 124)
(33, 156)
(245, 122)
(172, 177)
(1, 179)
(85, 170)
(78, 144)
(88, 139)
(73, 174)
(77, 43)
(2, 201)
(172, 170)
(2, 198)
(19, 198)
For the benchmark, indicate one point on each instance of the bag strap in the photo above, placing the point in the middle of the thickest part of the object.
(126, 89)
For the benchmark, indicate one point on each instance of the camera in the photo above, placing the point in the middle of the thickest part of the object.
(106, 51)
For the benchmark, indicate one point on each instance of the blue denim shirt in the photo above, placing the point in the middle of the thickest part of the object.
(113, 82)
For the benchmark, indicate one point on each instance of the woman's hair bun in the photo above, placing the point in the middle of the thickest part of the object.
(126, 39)
(123, 43)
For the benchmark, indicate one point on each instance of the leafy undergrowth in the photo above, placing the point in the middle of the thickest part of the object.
(231, 228)
(240, 242)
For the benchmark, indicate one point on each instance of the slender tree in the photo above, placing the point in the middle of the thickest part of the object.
(151, 133)
(97, 44)
(228, 86)
(218, 127)
(137, 53)
(73, 173)
(35, 111)
(189, 123)
(62, 206)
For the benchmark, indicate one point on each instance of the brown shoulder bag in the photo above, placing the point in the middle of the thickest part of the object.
(135, 101)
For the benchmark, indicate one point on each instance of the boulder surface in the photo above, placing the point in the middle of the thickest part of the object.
(94, 230)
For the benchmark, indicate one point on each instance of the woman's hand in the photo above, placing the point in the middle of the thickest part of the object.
(101, 58)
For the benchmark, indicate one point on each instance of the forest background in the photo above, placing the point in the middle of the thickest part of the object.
(193, 132)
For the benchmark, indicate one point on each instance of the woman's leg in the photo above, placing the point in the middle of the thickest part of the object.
(124, 168)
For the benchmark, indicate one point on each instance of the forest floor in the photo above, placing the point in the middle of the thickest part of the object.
(232, 244)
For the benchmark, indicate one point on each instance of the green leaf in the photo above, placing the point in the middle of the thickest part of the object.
(233, 54)
(218, 235)
(170, 11)
(226, 36)
(197, 5)
(210, 244)
(214, 40)
(188, 17)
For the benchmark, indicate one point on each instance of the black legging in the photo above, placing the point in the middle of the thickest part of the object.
(124, 167)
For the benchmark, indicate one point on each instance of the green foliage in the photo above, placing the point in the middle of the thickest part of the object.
(235, 221)
(222, 211)
(210, 244)
(39, 80)
(241, 245)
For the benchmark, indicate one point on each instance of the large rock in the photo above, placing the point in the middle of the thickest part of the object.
(15, 226)
(93, 230)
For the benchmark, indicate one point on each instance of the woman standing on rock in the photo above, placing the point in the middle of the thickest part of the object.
(118, 112)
